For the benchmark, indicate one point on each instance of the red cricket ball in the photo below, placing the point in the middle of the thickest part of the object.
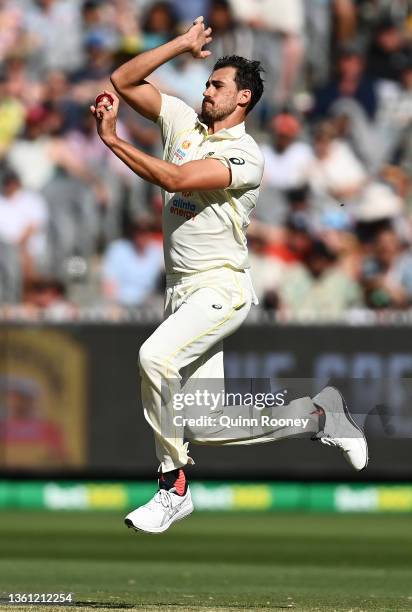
(104, 96)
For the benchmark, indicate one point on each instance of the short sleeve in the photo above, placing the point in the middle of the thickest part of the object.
(37, 209)
(112, 261)
(175, 117)
(246, 166)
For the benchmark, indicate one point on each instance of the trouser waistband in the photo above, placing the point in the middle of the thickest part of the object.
(177, 277)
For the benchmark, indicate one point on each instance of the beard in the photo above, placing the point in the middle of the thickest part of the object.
(212, 113)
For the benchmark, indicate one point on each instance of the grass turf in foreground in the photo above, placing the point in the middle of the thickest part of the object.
(211, 562)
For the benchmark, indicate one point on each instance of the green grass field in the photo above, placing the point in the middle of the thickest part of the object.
(210, 561)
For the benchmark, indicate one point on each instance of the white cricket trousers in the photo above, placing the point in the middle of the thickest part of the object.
(200, 311)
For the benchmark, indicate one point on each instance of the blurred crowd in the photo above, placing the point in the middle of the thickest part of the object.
(331, 237)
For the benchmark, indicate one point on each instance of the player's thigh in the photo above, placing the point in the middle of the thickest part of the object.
(204, 319)
(204, 374)
(210, 365)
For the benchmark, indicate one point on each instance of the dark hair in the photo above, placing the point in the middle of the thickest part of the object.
(247, 75)
(9, 176)
(164, 6)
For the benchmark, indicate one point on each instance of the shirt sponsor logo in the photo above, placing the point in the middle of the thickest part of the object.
(182, 150)
(183, 208)
(180, 154)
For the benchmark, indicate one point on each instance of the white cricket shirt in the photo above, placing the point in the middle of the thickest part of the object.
(207, 229)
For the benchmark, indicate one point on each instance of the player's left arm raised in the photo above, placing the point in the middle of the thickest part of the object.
(205, 174)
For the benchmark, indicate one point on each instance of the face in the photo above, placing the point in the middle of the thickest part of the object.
(389, 40)
(54, 123)
(387, 247)
(141, 238)
(45, 4)
(160, 20)
(220, 19)
(299, 242)
(221, 96)
(317, 265)
(285, 129)
(351, 66)
(10, 187)
(56, 84)
(322, 146)
(20, 405)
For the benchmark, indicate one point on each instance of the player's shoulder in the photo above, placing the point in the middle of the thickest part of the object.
(248, 144)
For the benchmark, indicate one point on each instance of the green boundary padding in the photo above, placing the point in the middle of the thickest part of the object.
(209, 496)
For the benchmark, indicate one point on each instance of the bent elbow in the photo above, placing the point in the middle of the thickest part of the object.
(173, 182)
(115, 81)
(170, 185)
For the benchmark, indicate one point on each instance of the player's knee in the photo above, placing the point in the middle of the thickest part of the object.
(146, 358)
(150, 360)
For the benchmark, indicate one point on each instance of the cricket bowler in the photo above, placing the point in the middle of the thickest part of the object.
(210, 176)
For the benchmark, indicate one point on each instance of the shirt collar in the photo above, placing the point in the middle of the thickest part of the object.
(232, 133)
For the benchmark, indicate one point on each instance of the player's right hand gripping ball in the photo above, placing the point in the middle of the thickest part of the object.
(103, 97)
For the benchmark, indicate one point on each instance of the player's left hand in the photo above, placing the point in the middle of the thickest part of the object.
(197, 37)
(105, 114)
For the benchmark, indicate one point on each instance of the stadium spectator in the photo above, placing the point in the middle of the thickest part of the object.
(56, 93)
(279, 43)
(318, 28)
(12, 115)
(378, 202)
(74, 224)
(275, 249)
(32, 155)
(388, 51)
(387, 273)
(345, 15)
(159, 24)
(190, 9)
(19, 91)
(230, 36)
(125, 17)
(53, 35)
(394, 118)
(335, 174)
(94, 74)
(11, 28)
(42, 149)
(287, 163)
(287, 158)
(23, 223)
(97, 18)
(350, 81)
(46, 297)
(320, 288)
(132, 266)
(336, 230)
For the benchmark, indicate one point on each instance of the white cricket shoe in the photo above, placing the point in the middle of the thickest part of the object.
(340, 429)
(161, 511)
